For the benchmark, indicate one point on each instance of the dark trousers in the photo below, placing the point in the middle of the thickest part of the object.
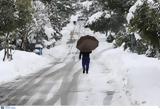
(85, 64)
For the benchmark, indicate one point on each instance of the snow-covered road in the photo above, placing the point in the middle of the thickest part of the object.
(62, 84)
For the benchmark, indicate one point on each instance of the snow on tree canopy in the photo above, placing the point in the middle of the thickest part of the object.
(94, 17)
(133, 9)
(137, 36)
(87, 4)
(97, 15)
(49, 31)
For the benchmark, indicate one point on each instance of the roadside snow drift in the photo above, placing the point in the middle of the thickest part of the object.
(23, 63)
(136, 77)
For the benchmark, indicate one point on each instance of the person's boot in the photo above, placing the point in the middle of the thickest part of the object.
(83, 71)
(86, 72)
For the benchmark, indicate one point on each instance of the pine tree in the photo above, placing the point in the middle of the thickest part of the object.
(147, 22)
(24, 22)
(55, 13)
(42, 21)
(117, 9)
(59, 12)
(117, 6)
(7, 25)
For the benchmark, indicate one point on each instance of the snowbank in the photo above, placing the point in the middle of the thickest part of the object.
(23, 63)
(137, 75)
(58, 52)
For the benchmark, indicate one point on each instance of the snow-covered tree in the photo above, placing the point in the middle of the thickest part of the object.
(59, 12)
(113, 15)
(50, 17)
(24, 22)
(7, 25)
(146, 22)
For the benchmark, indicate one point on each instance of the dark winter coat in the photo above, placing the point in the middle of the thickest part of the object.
(84, 54)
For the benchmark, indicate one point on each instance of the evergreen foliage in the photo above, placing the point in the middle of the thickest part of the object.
(8, 25)
(117, 10)
(25, 11)
(59, 12)
(22, 22)
(146, 22)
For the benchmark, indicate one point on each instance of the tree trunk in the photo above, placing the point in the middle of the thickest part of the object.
(5, 53)
(157, 54)
(21, 44)
(24, 41)
(7, 49)
(158, 50)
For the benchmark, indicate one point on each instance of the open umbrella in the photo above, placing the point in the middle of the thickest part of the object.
(87, 43)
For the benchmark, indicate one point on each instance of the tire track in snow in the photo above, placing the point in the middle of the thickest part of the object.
(64, 89)
(26, 86)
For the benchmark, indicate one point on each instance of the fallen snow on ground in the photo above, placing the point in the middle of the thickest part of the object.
(57, 52)
(23, 63)
(137, 77)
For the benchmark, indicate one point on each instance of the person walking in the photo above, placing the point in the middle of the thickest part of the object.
(86, 44)
(85, 61)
